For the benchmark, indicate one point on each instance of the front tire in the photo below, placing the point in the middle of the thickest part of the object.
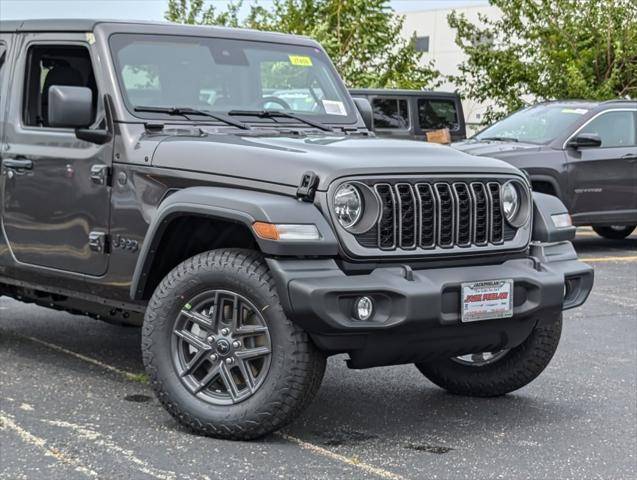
(501, 372)
(222, 356)
(615, 232)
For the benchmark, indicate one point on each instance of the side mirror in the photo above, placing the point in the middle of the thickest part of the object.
(584, 140)
(365, 109)
(70, 107)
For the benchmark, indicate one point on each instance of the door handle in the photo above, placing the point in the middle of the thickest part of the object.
(630, 156)
(17, 163)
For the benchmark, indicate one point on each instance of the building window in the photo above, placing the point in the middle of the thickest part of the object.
(422, 44)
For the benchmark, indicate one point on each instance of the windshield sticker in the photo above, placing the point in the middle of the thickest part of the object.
(333, 107)
(300, 60)
(90, 38)
(579, 111)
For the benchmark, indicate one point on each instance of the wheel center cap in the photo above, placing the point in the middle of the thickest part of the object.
(223, 347)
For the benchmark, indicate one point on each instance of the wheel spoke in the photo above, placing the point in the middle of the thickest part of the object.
(207, 380)
(229, 382)
(252, 353)
(247, 374)
(192, 339)
(247, 330)
(236, 313)
(198, 318)
(195, 363)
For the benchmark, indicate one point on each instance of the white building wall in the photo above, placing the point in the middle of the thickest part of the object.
(443, 50)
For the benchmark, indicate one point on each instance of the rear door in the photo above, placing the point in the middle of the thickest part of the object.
(603, 180)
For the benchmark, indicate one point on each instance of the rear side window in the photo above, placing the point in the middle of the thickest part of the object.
(435, 114)
(390, 113)
(616, 129)
(50, 65)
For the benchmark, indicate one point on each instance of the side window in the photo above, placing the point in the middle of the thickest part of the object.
(435, 114)
(49, 65)
(616, 129)
(390, 113)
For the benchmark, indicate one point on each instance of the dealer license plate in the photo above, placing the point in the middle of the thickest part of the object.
(487, 300)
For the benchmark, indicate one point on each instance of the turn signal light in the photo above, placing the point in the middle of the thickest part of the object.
(286, 231)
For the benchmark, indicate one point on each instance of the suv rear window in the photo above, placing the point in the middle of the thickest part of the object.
(390, 113)
(435, 114)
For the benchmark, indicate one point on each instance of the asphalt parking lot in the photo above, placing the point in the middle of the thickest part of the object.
(73, 404)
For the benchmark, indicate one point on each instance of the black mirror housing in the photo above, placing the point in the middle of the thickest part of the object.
(365, 109)
(70, 107)
(585, 140)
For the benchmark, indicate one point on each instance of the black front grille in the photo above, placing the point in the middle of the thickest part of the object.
(438, 214)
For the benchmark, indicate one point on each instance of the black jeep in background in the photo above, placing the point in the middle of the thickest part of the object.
(583, 152)
(413, 113)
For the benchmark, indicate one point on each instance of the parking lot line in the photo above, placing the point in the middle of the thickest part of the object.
(625, 258)
(6, 422)
(365, 467)
(101, 440)
(380, 472)
(128, 375)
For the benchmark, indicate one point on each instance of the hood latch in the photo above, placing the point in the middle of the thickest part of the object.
(307, 187)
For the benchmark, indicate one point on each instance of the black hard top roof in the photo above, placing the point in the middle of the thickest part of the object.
(393, 92)
(145, 27)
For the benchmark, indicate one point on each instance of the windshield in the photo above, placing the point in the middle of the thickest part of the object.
(221, 75)
(539, 124)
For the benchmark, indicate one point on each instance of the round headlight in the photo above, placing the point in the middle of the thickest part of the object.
(348, 205)
(510, 201)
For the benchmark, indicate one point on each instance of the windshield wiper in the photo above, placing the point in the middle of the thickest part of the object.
(279, 113)
(185, 111)
(500, 139)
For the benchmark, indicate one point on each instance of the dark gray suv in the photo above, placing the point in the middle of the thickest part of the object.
(174, 177)
(585, 153)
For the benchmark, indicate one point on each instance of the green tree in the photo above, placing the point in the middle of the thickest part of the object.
(548, 49)
(362, 37)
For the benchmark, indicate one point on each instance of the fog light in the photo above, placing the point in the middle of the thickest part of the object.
(363, 308)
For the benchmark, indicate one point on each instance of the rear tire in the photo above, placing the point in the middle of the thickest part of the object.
(208, 367)
(615, 232)
(508, 372)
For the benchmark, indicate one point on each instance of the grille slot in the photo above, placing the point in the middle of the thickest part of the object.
(406, 216)
(497, 218)
(438, 214)
(480, 214)
(427, 207)
(445, 214)
(464, 214)
(387, 222)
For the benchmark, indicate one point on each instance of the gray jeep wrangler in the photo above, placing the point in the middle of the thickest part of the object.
(155, 175)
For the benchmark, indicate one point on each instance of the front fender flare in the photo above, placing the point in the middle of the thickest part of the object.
(238, 206)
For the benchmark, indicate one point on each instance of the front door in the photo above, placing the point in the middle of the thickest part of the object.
(56, 206)
(603, 179)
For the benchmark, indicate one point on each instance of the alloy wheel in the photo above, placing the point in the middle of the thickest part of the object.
(221, 347)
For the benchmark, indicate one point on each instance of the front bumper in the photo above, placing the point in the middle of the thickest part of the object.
(417, 314)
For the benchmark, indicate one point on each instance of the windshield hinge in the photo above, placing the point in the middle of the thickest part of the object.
(307, 187)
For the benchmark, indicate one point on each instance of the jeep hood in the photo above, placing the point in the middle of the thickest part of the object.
(284, 160)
